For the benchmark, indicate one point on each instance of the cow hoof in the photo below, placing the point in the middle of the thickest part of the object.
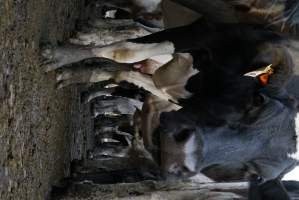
(55, 58)
(49, 59)
(68, 76)
(81, 73)
(63, 75)
(64, 78)
(47, 53)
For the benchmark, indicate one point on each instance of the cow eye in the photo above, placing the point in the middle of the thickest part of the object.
(259, 100)
(183, 135)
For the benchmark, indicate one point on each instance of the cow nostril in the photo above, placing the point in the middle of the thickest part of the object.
(259, 179)
(186, 169)
(256, 178)
(175, 169)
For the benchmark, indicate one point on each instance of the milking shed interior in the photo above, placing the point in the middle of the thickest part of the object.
(60, 144)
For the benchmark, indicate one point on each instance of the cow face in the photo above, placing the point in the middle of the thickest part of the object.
(258, 146)
(180, 146)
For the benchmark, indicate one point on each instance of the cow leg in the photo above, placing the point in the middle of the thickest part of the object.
(122, 52)
(148, 66)
(118, 23)
(116, 105)
(88, 71)
(129, 51)
(103, 71)
(90, 95)
(173, 76)
(150, 116)
(144, 81)
(105, 32)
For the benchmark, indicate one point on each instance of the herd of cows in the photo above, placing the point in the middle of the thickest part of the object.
(216, 101)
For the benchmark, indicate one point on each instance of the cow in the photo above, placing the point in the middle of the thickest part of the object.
(263, 143)
(261, 149)
(217, 95)
(258, 52)
(202, 73)
(215, 91)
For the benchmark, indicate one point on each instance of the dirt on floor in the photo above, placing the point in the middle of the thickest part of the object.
(36, 120)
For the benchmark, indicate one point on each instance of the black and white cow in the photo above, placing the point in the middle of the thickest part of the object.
(232, 126)
(259, 48)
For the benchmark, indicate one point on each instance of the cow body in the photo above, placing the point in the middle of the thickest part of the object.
(214, 88)
(209, 55)
(230, 127)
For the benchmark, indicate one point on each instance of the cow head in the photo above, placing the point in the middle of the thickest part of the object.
(257, 146)
(180, 146)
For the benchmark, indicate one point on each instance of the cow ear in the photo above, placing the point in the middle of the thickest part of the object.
(184, 135)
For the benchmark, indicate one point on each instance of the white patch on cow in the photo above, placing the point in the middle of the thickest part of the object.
(172, 78)
(144, 81)
(162, 58)
(189, 150)
(292, 175)
(201, 178)
(296, 154)
(129, 52)
(110, 14)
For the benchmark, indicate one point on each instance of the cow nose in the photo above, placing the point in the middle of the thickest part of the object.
(179, 170)
(256, 178)
(174, 168)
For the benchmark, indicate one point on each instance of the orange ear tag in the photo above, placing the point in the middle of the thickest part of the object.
(262, 74)
(264, 79)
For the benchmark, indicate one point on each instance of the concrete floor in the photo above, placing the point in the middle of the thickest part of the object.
(35, 118)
